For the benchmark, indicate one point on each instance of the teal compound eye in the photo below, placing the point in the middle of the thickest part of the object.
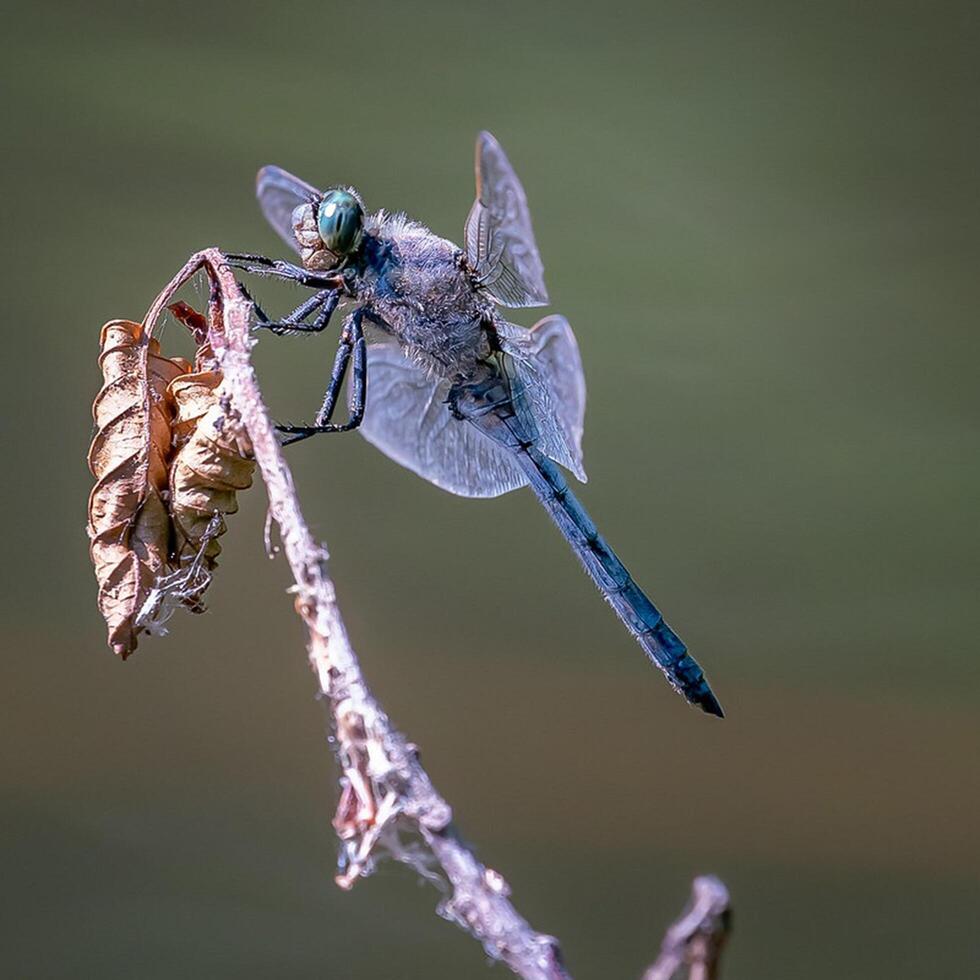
(339, 222)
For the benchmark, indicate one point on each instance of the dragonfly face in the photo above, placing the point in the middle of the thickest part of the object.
(447, 387)
(329, 231)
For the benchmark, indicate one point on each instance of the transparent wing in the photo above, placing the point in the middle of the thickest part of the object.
(407, 419)
(279, 194)
(549, 386)
(500, 242)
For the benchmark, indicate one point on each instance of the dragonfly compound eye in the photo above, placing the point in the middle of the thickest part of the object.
(339, 222)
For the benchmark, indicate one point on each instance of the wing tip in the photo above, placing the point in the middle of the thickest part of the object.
(264, 173)
(484, 139)
(273, 177)
(536, 294)
(267, 177)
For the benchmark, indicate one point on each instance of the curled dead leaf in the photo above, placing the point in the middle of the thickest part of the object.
(213, 462)
(128, 524)
(168, 458)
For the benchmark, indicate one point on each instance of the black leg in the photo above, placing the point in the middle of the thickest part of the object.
(351, 342)
(260, 314)
(303, 310)
(260, 265)
(325, 301)
(358, 397)
(337, 375)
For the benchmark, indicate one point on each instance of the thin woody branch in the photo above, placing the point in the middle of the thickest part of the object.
(696, 939)
(385, 790)
(388, 804)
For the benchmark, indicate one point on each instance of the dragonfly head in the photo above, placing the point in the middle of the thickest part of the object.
(340, 221)
(330, 231)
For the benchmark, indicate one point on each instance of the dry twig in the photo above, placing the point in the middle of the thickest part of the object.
(696, 939)
(388, 804)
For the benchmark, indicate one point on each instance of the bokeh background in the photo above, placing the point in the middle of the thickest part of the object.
(762, 221)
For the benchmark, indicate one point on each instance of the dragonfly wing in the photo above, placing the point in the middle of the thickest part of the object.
(279, 194)
(407, 419)
(500, 242)
(549, 386)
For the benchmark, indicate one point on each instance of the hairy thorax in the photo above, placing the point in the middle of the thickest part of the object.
(416, 287)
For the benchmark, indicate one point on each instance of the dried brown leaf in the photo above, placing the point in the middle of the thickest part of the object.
(128, 526)
(168, 460)
(213, 462)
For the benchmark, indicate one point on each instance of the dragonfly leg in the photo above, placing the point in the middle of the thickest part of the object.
(352, 348)
(260, 265)
(323, 303)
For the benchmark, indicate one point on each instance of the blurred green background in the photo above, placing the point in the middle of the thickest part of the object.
(762, 221)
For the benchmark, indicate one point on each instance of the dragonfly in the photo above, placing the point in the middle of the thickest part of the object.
(437, 379)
